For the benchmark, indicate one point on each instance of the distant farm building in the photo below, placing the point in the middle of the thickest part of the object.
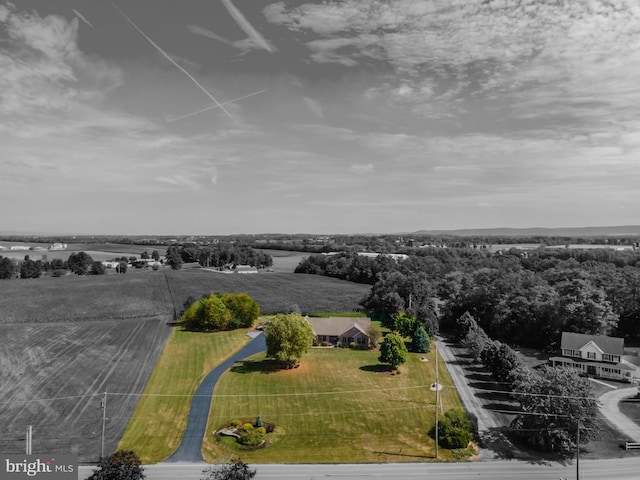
(245, 269)
(58, 246)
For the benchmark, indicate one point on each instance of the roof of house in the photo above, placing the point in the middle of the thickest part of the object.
(336, 326)
(575, 341)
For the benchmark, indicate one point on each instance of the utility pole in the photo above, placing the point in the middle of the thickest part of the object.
(437, 395)
(104, 421)
(578, 451)
(28, 442)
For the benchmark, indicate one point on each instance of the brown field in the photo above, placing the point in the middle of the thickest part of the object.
(52, 376)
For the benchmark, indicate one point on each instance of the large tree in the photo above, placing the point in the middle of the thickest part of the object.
(122, 465)
(554, 402)
(393, 350)
(174, 259)
(7, 268)
(288, 337)
(79, 263)
(220, 311)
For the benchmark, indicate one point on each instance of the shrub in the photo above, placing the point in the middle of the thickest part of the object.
(251, 438)
(236, 423)
(247, 427)
(455, 429)
(261, 430)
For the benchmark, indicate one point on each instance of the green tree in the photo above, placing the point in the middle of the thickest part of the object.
(122, 465)
(155, 255)
(455, 430)
(393, 350)
(7, 268)
(404, 323)
(220, 311)
(244, 309)
(208, 313)
(174, 259)
(79, 263)
(236, 470)
(288, 337)
(554, 401)
(420, 343)
(121, 267)
(30, 268)
(97, 268)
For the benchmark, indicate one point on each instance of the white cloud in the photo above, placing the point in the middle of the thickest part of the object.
(362, 169)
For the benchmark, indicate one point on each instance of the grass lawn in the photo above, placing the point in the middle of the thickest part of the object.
(157, 425)
(340, 405)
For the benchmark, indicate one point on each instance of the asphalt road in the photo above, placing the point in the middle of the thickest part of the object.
(618, 469)
(191, 445)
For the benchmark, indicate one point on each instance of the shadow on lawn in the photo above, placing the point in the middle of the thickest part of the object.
(378, 368)
(262, 366)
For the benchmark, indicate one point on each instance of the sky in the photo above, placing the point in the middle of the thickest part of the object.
(215, 117)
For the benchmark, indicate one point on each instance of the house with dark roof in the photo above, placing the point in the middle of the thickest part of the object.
(346, 330)
(595, 355)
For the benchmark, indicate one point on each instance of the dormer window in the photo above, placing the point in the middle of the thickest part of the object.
(591, 355)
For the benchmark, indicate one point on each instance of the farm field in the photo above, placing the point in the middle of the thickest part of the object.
(97, 251)
(340, 405)
(141, 293)
(159, 420)
(52, 376)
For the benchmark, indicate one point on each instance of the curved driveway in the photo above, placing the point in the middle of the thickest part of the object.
(191, 445)
(609, 408)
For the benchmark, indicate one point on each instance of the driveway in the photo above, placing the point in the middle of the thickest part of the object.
(477, 391)
(191, 445)
(609, 408)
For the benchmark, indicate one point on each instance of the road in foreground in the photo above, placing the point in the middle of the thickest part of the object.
(620, 469)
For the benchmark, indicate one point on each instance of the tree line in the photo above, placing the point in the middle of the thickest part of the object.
(525, 297)
(220, 255)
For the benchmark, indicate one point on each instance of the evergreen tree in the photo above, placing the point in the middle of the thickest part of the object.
(420, 343)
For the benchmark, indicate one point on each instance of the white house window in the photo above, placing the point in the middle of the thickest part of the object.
(571, 353)
(610, 358)
(591, 355)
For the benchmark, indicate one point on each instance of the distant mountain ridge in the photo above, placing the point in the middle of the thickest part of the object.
(541, 232)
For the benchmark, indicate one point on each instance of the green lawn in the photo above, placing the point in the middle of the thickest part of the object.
(340, 405)
(160, 418)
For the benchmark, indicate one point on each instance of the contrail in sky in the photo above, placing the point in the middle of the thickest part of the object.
(82, 17)
(215, 106)
(208, 33)
(174, 63)
(244, 24)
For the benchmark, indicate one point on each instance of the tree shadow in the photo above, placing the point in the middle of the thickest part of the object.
(257, 366)
(377, 368)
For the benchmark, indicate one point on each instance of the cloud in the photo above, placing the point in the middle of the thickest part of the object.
(43, 69)
(314, 107)
(530, 52)
(362, 169)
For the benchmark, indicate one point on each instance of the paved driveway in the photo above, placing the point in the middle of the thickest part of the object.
(191, 445)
